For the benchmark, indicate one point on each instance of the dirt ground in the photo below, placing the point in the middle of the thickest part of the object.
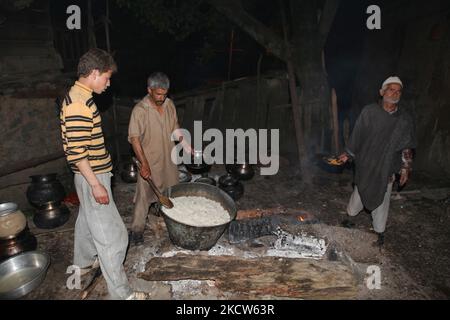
(414, 262)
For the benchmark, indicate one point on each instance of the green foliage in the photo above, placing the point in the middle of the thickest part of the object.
(193, 20)
(16, 5)
(179, 18)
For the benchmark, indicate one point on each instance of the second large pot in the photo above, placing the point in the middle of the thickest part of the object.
(12, 220)
(231, 185)
(45, 189)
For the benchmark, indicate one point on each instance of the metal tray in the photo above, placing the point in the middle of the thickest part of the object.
(22, 273)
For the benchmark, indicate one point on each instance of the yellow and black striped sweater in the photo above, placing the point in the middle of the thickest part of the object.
(81, 130)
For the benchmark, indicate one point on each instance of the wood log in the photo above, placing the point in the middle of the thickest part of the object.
(252, 278)
(258, 212)
(334, 112)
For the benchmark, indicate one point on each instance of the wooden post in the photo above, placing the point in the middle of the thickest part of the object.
(116, 133)
(296, 108)
(230, 58)
(91, 27)
(258, 94)
(334, 112)
(106, 24)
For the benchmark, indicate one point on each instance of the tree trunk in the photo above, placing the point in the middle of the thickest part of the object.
(309, 35)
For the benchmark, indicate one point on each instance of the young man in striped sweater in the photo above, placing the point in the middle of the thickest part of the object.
(100, 234)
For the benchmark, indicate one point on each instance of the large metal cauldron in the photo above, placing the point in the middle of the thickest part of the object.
(198, 238)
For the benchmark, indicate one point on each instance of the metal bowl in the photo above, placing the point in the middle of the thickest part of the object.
(22, 273)
(324, 164)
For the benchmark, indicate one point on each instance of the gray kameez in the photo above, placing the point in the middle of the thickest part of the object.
(154, 131)
(376, 144)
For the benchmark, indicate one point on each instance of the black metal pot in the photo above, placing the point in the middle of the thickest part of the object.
(197, 168)
(45, 189)
(236, 191)
(231, 186)
(24, 241)
(207, 180)
(51, 216)
(198, 238)
(243, 171)
(229, 168)
(227, 180)
(129, 173)
(184, 176)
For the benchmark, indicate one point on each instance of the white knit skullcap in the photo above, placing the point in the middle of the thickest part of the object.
(390, 80)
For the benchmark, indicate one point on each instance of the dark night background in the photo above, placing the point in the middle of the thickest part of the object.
(230, 68)
(203, 57)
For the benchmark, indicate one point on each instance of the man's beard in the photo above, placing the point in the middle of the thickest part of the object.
(390, 100)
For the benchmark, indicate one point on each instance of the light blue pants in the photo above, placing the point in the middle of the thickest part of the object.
(100, 231)
(379, 215)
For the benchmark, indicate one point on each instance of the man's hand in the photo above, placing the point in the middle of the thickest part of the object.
(145, 171)
(100, 194)
(344, 157)
(404, 176)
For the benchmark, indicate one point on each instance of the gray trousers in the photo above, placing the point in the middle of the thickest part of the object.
(144, 197)
(100, 231)
(379, 215)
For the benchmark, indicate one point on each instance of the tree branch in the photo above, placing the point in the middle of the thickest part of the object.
(234, 11)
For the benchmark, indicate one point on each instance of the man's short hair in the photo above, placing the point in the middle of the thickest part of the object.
(95, 59)
(158, 80)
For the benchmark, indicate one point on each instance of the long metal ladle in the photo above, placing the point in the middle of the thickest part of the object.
(165, 201)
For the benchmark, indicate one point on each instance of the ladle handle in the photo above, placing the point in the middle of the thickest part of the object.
(150, 181)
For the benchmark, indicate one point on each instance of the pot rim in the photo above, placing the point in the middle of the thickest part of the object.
(42, 178)
(7, 208)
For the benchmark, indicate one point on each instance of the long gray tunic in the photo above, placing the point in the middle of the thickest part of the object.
(376, 144)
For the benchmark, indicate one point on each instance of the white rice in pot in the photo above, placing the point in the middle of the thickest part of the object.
(197, 211)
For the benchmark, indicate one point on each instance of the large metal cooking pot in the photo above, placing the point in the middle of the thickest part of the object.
(12, 220)
(198, 238)
(45, 189)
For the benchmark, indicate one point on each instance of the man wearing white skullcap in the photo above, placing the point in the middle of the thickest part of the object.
(381, 146)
